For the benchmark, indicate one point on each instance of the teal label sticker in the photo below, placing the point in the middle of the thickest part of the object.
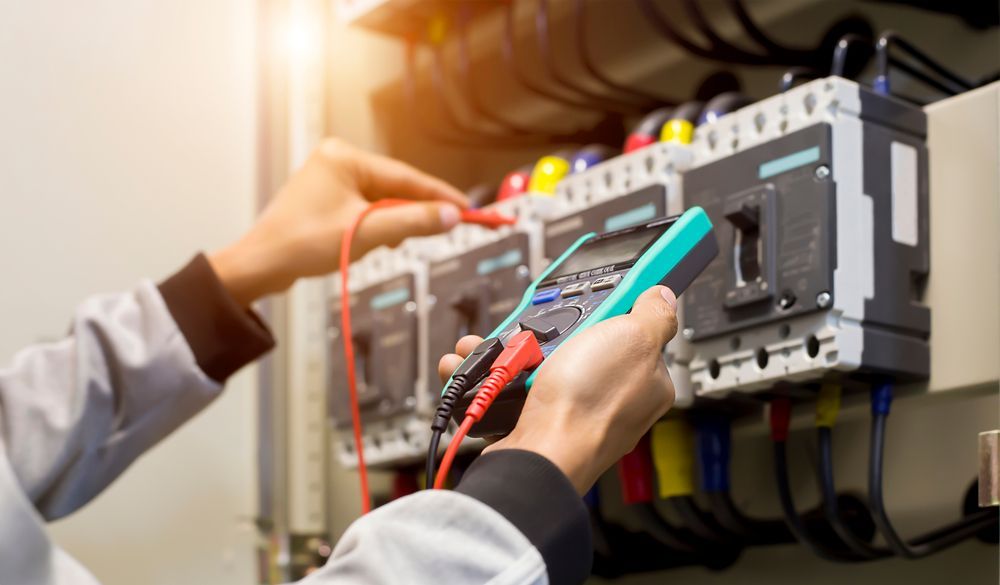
(630, 218)
(505, 260)
(789, 162)
(390, 298)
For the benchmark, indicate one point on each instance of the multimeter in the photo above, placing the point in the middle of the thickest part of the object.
(600, 276)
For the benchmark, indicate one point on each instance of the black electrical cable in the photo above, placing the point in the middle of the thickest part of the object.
(890, 38)
(794, 75)
(590, 65)
(547, 57)
(940, 85)
(927, 544)
(795, 524)
(472, 369)
(855, 544)
(664, 532)
(469, 87)
(438, 84)
(510, 61)
(698, 522)
(419, 118)
(752, 530)
(841, 52)
(477, 105)
(430, 470)
(663, 26)
(787, 55)
(732, 52)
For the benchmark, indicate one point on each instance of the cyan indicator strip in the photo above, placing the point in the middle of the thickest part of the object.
(505, 260)
(390, 298)
(788, 162)
(630, 218)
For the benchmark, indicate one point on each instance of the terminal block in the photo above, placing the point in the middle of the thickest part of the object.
(819, 197)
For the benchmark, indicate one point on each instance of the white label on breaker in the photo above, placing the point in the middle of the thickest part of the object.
(904, 193)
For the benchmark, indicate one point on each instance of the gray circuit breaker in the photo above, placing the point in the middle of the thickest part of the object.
(819, 198)
(389, 330)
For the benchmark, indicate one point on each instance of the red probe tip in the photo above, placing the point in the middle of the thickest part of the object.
(490, 219)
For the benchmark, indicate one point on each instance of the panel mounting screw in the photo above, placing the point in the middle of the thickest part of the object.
(523, 271)
(823, 300)
(688, 333)
(410, 307)
(822, 172)
(787, 300)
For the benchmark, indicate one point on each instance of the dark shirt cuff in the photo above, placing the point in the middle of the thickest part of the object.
(223, 336)
(536, 497)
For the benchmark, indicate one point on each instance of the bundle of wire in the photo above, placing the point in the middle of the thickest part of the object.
(853, 546)
(485, 218)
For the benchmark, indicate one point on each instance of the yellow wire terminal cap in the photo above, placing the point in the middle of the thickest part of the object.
(672, 444)
(680, 131)
(827, 405)
(548, 171)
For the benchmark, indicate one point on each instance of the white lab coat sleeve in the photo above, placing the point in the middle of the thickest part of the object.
(514, 519)
(76, 412)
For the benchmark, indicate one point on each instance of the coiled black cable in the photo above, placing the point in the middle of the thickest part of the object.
(931, 542)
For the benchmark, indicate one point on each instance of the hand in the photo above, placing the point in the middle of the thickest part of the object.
(299, 232)
(598, 394)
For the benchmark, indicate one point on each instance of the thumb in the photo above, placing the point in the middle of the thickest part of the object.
(391, 225)
(656, 312)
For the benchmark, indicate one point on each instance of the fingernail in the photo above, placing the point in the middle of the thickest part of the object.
(450, 216)
(669, 296)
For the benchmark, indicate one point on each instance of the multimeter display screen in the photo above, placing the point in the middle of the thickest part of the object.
(620, 249)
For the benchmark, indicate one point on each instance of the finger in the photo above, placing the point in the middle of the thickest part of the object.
(656, 312)
(467, 345)
(380, 177)
(447, 365)
(391, 225)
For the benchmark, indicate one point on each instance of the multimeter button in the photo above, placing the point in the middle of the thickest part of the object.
(543, 330)
(563, 317)
(545, 296)
(606, 282)
(574, 290)
(551, 324)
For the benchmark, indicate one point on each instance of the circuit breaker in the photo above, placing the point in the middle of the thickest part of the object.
(388, 287)
(819, 196)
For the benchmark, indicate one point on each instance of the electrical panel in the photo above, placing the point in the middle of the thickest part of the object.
(819, 197)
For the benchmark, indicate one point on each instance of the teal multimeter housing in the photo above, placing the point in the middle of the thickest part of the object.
(598, 277)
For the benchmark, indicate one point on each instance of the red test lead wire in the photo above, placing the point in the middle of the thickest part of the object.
(348, 336)
(489, 219)
(522, 353)
(484, 218)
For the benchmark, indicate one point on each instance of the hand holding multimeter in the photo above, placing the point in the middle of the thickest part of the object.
(599, 277)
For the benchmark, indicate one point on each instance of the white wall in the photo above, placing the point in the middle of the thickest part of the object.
(127, 143)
